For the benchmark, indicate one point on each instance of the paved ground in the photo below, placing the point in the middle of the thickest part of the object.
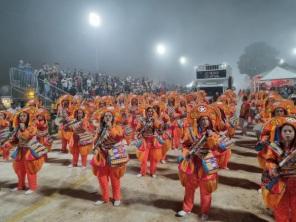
(68, 194)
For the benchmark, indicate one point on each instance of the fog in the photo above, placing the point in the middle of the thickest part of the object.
(212, 31)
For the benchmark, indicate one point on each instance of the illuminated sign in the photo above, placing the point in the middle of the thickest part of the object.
(213, 74)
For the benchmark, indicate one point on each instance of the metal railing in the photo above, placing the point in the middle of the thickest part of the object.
(22, 78)
(49, 91)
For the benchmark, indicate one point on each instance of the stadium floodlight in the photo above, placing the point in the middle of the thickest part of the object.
(160, 49)
(94, 19)
(183, 60)
(282, 61)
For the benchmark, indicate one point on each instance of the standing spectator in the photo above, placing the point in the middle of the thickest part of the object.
(12, 108)
(215, 97)
(47, 88)
(65, 84)
(88, 82)
(70, 84)
(21, 64)
(40, 77)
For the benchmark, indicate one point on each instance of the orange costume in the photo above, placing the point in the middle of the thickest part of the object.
(224, 127)
(279, 191)
(81, 142)
(150, 144)
(27, 160)
(135, 112)
(4, 133)
(42, 135)
(64, 116)
(164, 130)
(199, 170)
(174, 115)
(122, 120)
(268, 129)
(108, 140)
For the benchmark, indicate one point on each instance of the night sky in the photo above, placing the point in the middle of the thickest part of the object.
(208, 31)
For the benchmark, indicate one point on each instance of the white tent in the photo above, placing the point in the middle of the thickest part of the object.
(191, 84)
(279, 73)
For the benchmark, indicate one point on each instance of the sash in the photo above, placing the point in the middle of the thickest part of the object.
(117, 155)
(37, 149)
(85, 138)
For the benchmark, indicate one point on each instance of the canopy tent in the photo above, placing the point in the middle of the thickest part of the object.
(278, 73)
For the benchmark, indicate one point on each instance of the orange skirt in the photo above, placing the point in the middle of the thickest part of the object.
(32, 166)
(271, 200)
(156, 154)
(65, 135)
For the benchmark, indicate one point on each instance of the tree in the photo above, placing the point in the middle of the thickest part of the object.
(257, 58)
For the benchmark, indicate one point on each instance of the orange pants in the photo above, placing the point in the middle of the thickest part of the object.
(153, 163)
(5, 153)
(21, 170)
(148, 155)
(205, 198)
(165, 148)
(286, 210)
(64, 145)
(176, 137)
(226, 155)
(75, 158)
(104, 174)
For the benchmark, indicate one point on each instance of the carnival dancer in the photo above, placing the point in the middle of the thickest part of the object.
(266, 113)
(277, 110)
(4, 133)
(135, 112)
(64, 116)
(223, 127)
(164, 132)
(199, 166)
(122, 119)
(244, 115)
(278, 179)
(42, 135)
(81, 142)
(109, 161)
(29, 154)
(149, 142)
(174, 116)
(120, 102)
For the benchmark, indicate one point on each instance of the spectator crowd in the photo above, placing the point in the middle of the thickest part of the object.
(54, 81)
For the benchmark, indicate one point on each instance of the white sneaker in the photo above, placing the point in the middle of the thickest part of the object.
(117, 203)
(14, 189)
(163, 161)
(29, 192)
(84, 168)
(182, 213)
(204, 217)
(139, 175)
(99, 202)
(70, 166)
(153, 175)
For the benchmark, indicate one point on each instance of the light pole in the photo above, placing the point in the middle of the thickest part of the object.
(95, 21)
